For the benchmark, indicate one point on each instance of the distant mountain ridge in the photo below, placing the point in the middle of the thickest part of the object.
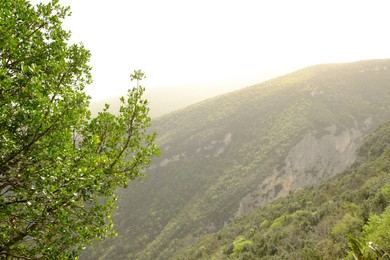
(227, 155)
(164, 100)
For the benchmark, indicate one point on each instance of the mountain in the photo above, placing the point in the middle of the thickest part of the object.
(226, 156)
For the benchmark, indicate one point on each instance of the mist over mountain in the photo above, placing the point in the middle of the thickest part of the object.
(163, 100)
(226, 156)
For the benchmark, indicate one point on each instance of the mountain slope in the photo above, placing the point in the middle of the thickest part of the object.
(314, 222)
(226, 155)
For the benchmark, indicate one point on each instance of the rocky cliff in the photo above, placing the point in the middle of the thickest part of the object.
(312, 159)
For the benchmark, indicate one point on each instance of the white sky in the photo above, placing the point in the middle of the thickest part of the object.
(222, 42)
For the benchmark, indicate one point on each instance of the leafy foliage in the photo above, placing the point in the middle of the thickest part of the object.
(378, 232)
(58, 167)
(374, 243)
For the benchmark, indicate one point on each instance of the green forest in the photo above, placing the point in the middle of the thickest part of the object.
(342, 216)
(295, 167)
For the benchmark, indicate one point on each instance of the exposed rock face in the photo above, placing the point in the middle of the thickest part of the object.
(308, 162)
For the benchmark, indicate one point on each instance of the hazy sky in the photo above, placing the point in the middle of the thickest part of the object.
(222, 42)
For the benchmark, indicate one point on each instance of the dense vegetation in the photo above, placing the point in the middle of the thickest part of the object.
(316, 222)
(58, 167)
(220, 151)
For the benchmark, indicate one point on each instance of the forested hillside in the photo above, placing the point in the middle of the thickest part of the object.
(226, 156)
(317, 222)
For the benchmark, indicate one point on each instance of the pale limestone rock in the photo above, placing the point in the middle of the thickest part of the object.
(309, 161)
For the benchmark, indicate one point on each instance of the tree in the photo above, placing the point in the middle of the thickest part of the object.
(377, 233)
(375, 244)
(59, 167)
